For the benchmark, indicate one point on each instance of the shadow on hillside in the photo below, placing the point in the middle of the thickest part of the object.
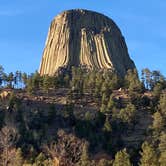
(38, 123)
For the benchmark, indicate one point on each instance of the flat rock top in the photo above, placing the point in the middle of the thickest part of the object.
(80, 12)
(86, 19)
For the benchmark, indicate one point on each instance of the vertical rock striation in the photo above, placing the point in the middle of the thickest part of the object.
(82, 37)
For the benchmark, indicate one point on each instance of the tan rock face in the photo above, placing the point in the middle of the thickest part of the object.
(86, 38)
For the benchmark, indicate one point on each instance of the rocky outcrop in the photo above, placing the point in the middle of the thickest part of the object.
(86, 38)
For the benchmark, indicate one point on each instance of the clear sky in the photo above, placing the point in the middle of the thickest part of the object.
(24, 25)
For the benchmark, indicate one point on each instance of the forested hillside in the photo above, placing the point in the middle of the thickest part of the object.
(83, 118)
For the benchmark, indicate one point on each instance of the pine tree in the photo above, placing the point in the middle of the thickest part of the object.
(77, 82)
(162, 159)
(122, 158)
(114, 82)
(104, 162)
(84, 160)
(17, 159)
(10, 79)
(105, 88)
(127, 114)
(158, 122)
(103, 108)
(30, 87)
(1, 74)
(39, 161)
(148, 155)
(17, 79)
(162, 148)
(47, 83)
(162, 144)
(111, 103)
(104, 99)
(157, 89)
(36, 80)
(162, 105)
(146, 73)
(24, 78)
(132, 81)
(107, 126)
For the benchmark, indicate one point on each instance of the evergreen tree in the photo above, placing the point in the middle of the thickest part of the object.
(146, 73)
(132, 81)
(84, 160)
(104, 99)
(148, 155)
(156, 76)
(115, 82)
(48, 83)
(77, 82)
(122, 158)
(67, 80)
(162, 105)
(107, 126)
(5, 79)
(40, 159)
(157, 89)
(17, 79)
(162, 159)
(90, 82)
(158, 122)
(143, 77)
(24, 78)
(17, 159)
(104, 162)
(103, 109)
(1, 74)
(100, 87)
(36, 81)
(30, 87)
(10, 80)
(128, 114)
(111, 103)
(88, 116)
(162, 144)
(105, 88)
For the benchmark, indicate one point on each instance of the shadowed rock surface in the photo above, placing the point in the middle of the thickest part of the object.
(85, 38)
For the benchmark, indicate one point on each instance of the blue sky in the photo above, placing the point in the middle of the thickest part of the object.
(24, 25)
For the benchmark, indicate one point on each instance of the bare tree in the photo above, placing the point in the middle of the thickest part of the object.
(67, 150)
(8, 139)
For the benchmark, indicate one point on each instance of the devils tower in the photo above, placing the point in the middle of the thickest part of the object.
(85, 38)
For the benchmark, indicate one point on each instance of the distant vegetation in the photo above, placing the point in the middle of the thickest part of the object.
(99, 119)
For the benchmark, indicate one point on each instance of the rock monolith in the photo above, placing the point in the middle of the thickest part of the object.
(85, 38)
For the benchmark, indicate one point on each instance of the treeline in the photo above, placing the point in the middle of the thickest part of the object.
(80, 81)
(41, 136)
(31, 82)
(12, 80)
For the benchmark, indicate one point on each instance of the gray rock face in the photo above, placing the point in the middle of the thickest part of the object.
(82, 37)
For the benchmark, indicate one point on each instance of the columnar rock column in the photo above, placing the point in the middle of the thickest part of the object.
(82, 37)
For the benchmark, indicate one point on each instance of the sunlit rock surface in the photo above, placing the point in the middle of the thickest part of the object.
(84, 38)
